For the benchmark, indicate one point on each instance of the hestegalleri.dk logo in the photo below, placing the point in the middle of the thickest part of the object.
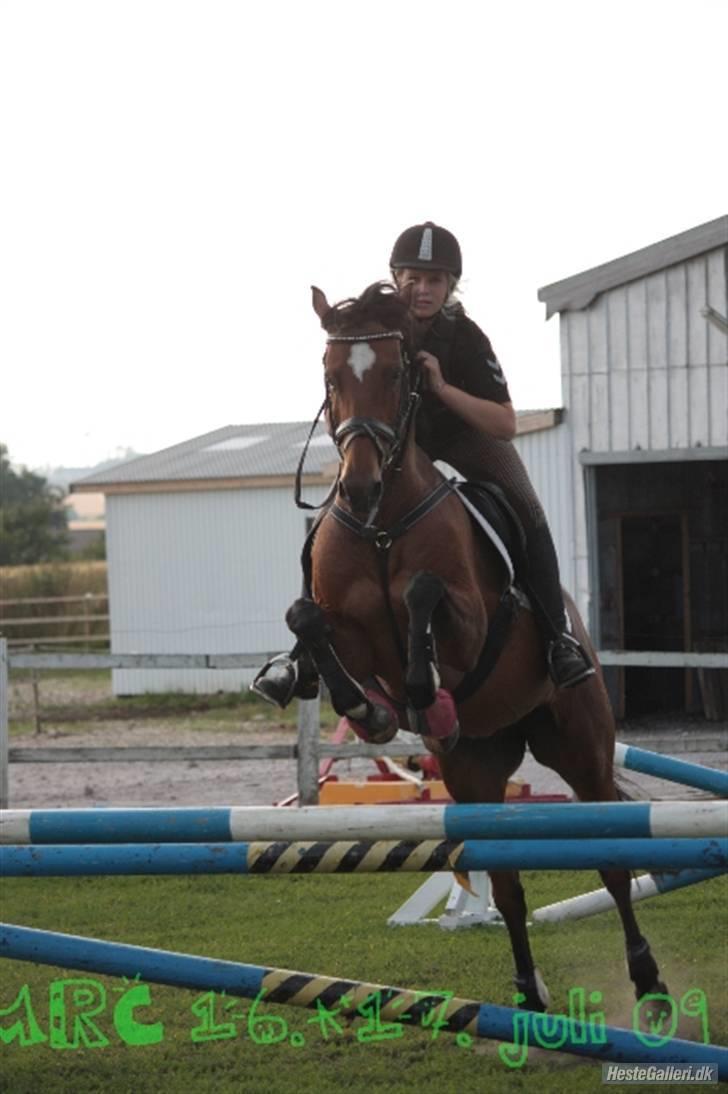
(659, 1073)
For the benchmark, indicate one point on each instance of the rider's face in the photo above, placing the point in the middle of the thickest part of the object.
(430, 290)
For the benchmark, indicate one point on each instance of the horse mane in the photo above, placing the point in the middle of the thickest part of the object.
(379, 303)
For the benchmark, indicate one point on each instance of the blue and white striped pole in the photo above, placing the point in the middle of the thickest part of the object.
(553, 820)
(676, 771)
(459, 1016)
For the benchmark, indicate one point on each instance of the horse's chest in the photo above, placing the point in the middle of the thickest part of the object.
(354, 596)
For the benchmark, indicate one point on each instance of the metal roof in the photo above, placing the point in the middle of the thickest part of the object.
(244, 455)
(233, 452)
(577, 292)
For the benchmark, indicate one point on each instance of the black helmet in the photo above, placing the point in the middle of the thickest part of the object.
(427, 246)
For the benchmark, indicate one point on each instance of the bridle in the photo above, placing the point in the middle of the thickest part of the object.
(389, 440)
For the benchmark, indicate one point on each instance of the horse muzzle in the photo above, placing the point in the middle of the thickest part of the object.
(362, 493)
(361, 482)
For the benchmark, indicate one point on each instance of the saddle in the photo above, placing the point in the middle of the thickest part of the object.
(496, 518)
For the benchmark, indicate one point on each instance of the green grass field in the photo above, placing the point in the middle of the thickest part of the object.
(337, 926)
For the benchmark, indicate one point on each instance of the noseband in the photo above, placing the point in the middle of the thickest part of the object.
(388, 440)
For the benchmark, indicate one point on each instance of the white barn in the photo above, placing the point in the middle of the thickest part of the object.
(644, 362)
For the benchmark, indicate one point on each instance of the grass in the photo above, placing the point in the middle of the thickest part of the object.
(336, 926)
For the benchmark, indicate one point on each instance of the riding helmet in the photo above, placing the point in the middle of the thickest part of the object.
(427, 246)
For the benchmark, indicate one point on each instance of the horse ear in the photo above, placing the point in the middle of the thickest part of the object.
(320, 303)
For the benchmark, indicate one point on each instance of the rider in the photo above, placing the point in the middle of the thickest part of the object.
(467, 420)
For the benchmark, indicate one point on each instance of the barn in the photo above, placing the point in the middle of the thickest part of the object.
(644, 363)
(203, 541)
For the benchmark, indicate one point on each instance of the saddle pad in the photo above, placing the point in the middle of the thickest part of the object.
(487, 528)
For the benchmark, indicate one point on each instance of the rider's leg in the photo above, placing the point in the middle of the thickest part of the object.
(477, 456)
(292, 675)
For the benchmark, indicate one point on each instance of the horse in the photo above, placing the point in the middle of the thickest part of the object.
(403, 593)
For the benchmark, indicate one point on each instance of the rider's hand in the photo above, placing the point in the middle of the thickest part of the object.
(431, 369)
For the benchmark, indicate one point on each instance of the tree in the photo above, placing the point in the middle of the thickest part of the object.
(33, 519)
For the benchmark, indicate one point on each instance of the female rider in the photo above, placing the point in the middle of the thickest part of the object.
(467, 420)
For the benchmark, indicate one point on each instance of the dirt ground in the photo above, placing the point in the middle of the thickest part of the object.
(256, 782)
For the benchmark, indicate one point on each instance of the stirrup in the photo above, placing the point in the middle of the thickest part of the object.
(568, 662)
(276, 681)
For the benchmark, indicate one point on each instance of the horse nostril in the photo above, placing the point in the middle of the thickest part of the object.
(363, 498)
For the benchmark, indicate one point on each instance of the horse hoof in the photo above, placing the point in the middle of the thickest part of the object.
(440, 746)
(377, 723)
(532, 992)
(438, 721)
(373, 736)
(643, 970)
(658, 988)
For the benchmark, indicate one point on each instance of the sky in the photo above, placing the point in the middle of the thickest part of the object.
(175, 174)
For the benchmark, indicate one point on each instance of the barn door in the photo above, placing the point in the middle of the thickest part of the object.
(655, 607)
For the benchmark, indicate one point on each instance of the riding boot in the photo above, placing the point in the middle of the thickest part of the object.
(568, 662)
(287, 676)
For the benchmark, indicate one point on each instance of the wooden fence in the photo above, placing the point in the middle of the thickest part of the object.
(81, 625)
(308, 750)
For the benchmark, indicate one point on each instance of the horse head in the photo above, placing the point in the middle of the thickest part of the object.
(370, 388)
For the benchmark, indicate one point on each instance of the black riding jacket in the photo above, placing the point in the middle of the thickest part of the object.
(467, 361)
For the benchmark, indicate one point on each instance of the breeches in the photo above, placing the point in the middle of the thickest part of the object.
(476, 456)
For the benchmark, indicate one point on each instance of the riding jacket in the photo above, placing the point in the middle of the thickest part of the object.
(467, 361)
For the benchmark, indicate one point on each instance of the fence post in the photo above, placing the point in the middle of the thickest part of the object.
(4, 690)
(86, 623)
(309, 732)
(35, 687)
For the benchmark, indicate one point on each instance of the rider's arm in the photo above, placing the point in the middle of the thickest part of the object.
(496, 419)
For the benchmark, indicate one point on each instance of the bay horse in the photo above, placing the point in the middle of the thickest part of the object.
(403, 592)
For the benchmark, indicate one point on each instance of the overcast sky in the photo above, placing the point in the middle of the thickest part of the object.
(174, 175)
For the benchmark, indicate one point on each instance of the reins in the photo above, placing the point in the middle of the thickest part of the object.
(298, 487)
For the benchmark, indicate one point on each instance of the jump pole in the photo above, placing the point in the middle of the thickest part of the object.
(600, 900)
(356, 857)
(666, 767)
(222, 824)
(462, 1017)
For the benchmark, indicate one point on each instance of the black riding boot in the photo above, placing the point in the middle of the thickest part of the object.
(287, 676)
(568, 662)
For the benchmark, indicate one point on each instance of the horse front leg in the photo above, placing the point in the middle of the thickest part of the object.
(431, 709)
(370, 715)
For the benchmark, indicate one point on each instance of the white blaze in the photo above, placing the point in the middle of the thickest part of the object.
(361, 358)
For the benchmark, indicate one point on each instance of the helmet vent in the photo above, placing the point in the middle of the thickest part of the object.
(425, 252)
